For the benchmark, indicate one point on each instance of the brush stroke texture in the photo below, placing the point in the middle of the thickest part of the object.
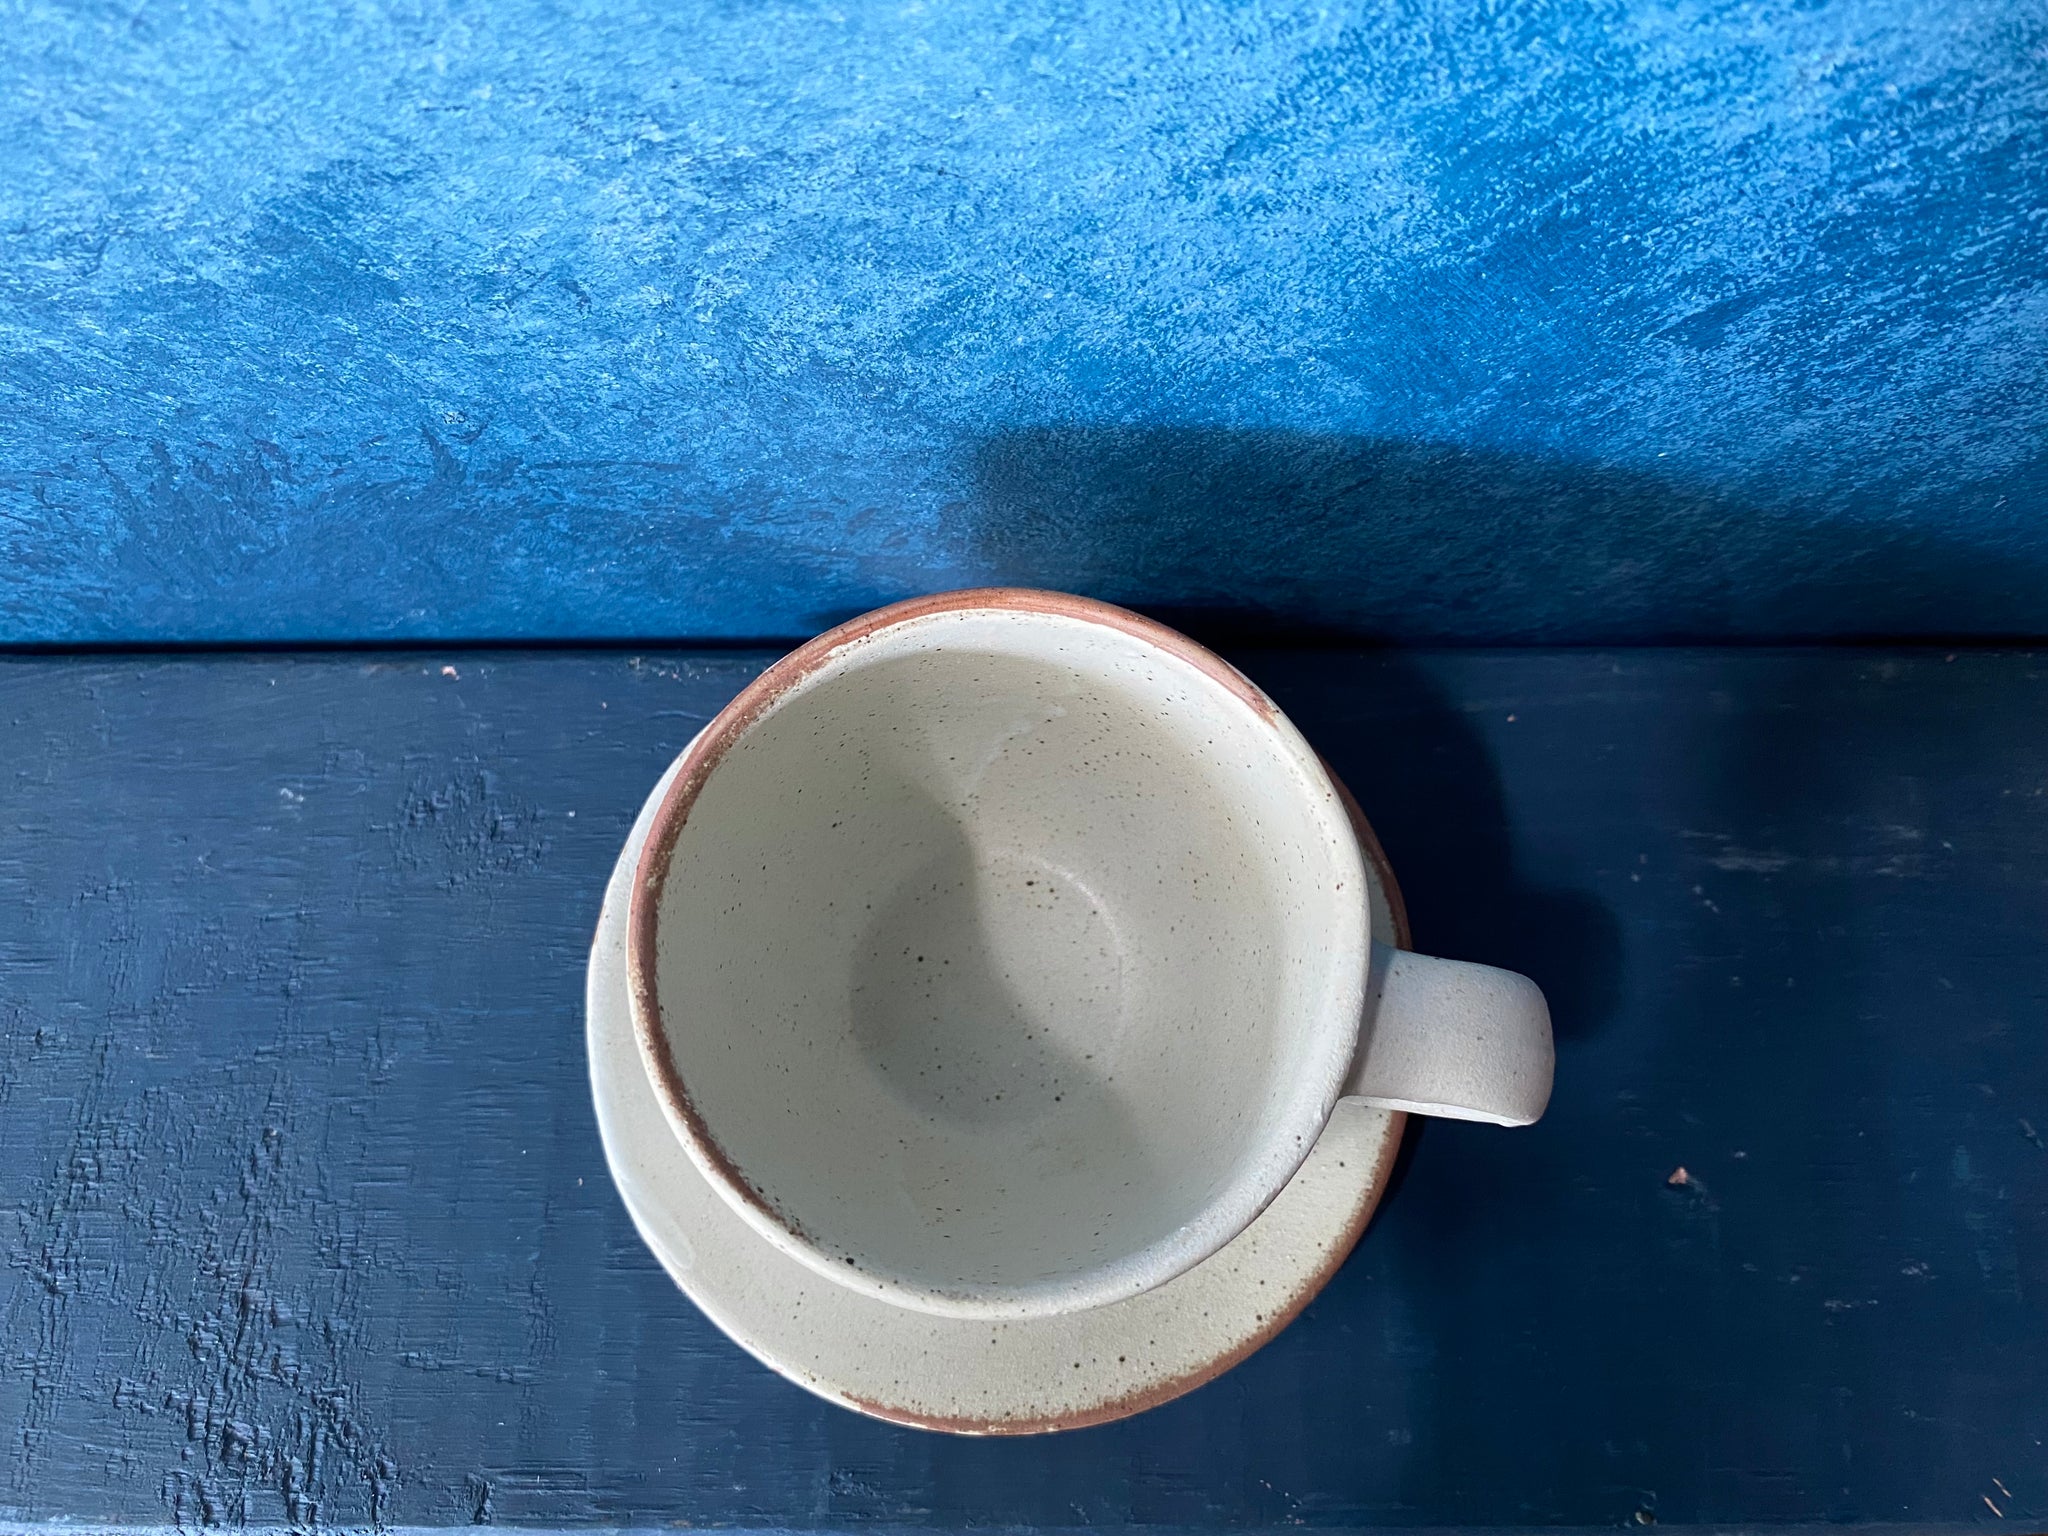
(304, 1220)
(1578, 319)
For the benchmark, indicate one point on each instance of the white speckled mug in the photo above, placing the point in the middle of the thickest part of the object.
(1003, 953)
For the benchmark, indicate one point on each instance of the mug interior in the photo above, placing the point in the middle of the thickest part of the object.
(1009, 961)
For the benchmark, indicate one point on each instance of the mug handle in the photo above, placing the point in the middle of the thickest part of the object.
(1449, 1038)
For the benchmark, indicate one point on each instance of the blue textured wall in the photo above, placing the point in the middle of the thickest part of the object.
(596, 317)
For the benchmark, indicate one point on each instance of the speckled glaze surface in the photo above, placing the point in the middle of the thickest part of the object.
(966, 1376)
(1003, 953)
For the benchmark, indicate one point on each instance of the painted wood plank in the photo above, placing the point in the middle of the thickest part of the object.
(304, 1215)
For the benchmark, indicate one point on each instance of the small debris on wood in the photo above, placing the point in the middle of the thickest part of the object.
(451, 672)
(1692, 1188)
(1993, 1507)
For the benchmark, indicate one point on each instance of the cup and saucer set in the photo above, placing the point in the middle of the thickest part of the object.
(1001, 1021)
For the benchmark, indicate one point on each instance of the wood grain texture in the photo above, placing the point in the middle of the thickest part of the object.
(305, 1220)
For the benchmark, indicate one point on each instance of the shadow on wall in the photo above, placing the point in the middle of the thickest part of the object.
(1415, 1380)
(1248, 525)
(1287, 535)
(1252, 530)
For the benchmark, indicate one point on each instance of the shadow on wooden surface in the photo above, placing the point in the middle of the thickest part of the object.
(306, 1215)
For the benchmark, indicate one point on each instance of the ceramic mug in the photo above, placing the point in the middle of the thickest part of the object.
(1003, 953)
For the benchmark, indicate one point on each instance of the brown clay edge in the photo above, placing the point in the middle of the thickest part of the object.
(1369, 844)
(1276, 1321)
(651, 871)
(1166, 1391)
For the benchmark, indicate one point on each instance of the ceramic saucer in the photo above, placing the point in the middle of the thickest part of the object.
(960, 1375)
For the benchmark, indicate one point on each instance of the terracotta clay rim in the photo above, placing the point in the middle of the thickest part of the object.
(1110, 1410)
(702, 757)
(1278, 1319)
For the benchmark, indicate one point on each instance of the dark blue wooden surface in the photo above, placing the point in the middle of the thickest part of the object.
(304, 1214)
(1556, 319)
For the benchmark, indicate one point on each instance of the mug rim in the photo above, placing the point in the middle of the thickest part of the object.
(753, 702)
